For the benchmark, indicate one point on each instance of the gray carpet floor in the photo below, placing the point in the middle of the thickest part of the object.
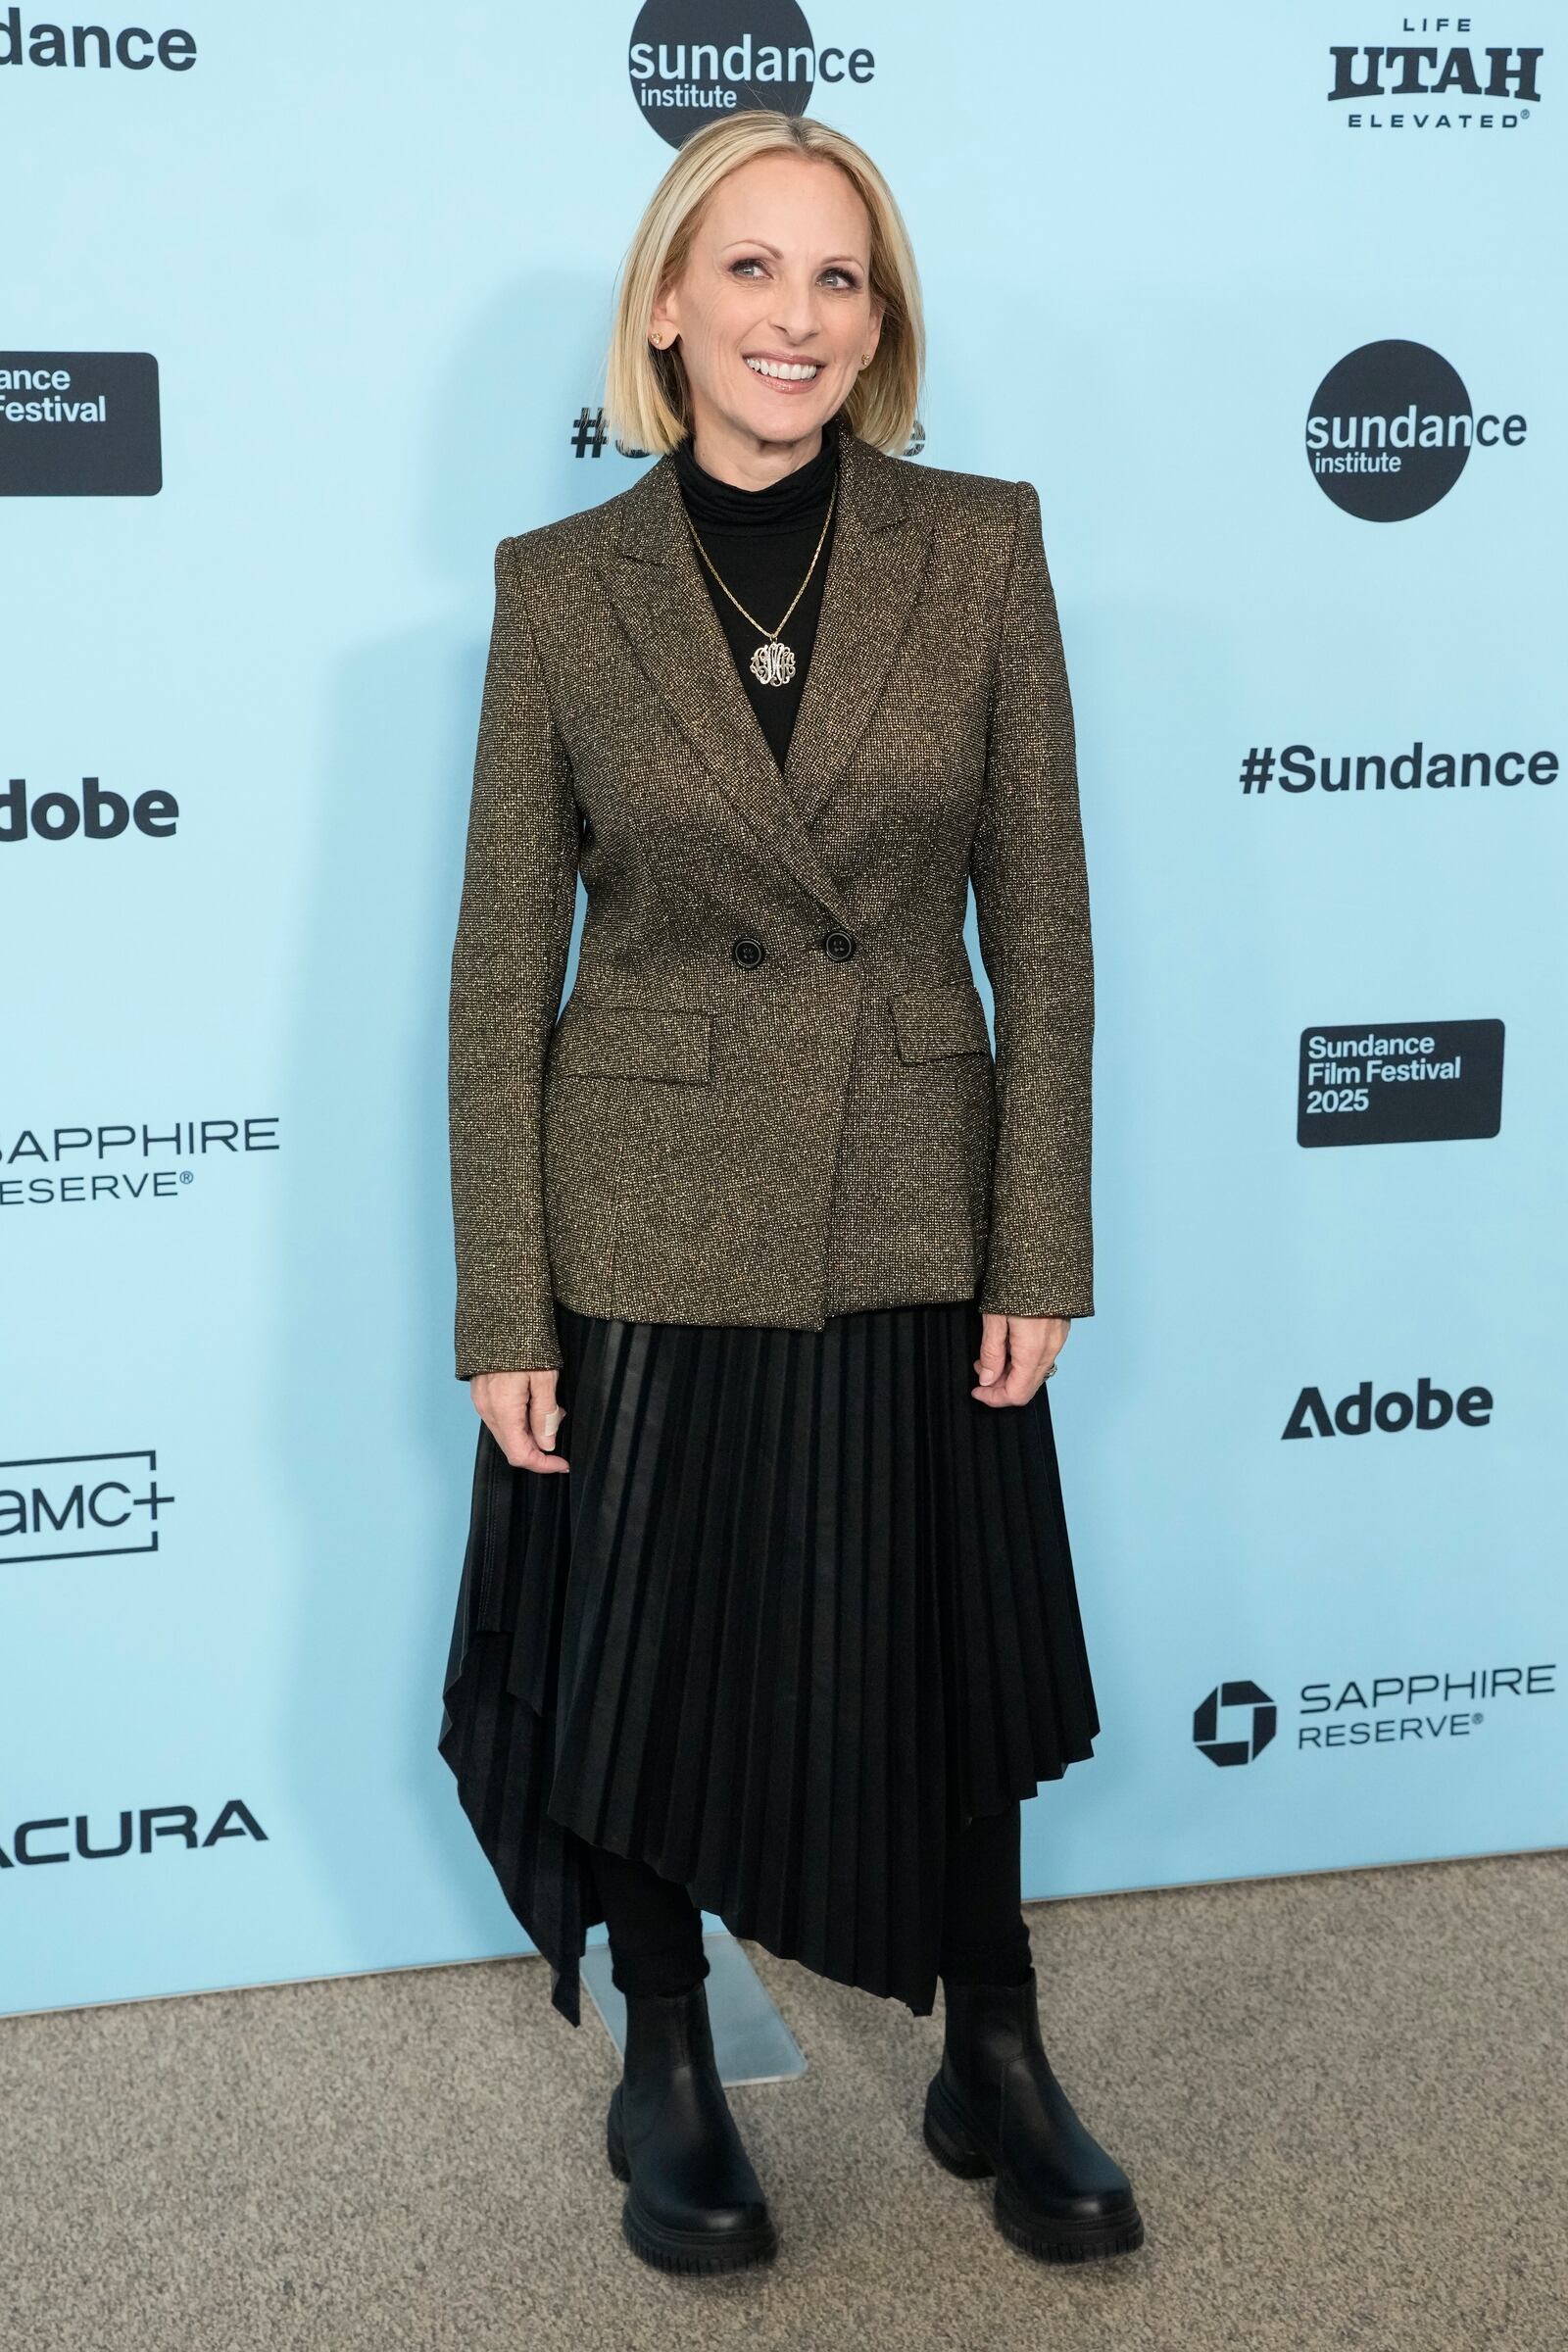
(1341, 2098)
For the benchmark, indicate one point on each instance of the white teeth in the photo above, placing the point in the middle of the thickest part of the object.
(794, 374)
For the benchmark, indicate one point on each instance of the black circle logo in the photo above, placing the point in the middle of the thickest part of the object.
(1388, 431)
(690, 60)
(1261, 1722)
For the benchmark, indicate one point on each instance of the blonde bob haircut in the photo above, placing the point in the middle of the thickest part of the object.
(647, 397)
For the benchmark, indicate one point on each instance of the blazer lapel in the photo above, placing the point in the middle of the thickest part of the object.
(876, 570)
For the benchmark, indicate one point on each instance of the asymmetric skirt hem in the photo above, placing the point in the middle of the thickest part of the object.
(800, 1609)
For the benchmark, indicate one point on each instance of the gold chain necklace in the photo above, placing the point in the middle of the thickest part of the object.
(773, 663)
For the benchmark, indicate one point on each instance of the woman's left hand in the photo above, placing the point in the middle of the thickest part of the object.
(1017, 1352)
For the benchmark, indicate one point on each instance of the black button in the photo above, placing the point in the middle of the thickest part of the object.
(839, 944)
(749, 952)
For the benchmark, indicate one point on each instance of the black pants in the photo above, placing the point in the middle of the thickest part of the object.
(656, 1929)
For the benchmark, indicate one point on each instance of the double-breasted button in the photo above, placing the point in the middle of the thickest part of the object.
(747, 951)
(839, 944)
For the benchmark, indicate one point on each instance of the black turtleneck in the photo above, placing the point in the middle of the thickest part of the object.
(761, 542)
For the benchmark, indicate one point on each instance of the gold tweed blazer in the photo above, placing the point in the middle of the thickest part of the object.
(770, 1096)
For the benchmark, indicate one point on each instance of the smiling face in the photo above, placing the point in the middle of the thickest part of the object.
(773, 314)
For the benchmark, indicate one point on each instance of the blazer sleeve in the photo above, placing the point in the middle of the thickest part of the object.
(509, 961)
(1032, 909)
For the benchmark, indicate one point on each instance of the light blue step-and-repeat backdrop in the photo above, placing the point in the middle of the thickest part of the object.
(1263, 301)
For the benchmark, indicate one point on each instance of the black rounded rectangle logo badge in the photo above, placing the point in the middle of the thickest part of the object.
(1400, 1082)
(79, 424)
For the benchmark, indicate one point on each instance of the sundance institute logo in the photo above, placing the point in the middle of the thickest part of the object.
(1390, 429)
(690, 60)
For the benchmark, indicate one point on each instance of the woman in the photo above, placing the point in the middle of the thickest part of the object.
(789, 1629)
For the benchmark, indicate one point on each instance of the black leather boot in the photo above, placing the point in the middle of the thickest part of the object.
(693, 2203)
(995, 2106)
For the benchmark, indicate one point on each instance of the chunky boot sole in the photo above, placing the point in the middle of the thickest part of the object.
(955, 2147)
(686, 2250)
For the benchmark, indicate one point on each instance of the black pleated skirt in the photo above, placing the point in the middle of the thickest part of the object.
(799, 1610)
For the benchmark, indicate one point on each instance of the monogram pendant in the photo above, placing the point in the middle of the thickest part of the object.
(773, 663)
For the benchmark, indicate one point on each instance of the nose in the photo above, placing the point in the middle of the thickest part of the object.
(797, 313)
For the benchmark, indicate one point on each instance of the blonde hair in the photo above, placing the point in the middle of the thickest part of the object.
(647, 396)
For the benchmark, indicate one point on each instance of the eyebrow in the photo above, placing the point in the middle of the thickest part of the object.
(779, 257)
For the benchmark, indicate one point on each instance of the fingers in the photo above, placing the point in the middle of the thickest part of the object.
(521, 1413)
(1016, 1353)
(990, 1363)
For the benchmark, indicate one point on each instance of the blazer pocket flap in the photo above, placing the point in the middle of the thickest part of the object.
(949, 1019)
(632, 1040)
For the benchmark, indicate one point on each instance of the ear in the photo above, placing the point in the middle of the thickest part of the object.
(663, 319)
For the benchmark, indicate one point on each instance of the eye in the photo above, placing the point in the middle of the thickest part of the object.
(752, 261)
